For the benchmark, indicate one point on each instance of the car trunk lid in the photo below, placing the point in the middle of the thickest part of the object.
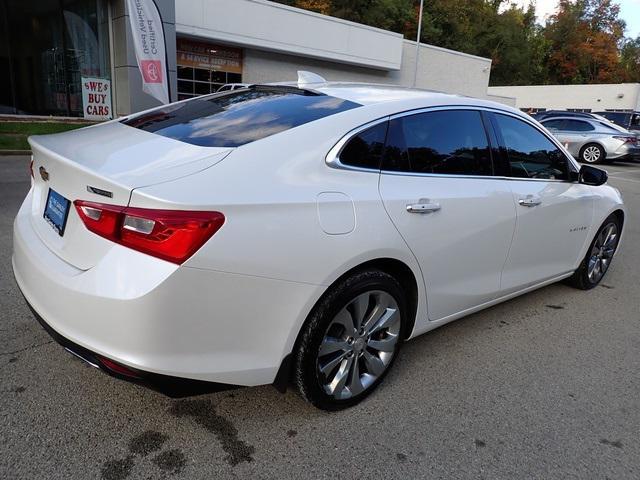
(102, 163)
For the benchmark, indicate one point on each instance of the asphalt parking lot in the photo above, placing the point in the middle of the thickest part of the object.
(543, 386)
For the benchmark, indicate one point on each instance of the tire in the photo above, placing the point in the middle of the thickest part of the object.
(598, 259)
(592, 153)
(331, 351)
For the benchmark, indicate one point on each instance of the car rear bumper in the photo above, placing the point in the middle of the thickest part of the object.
(631, 157)
(175, 387)
(627, 154)
(160, 319)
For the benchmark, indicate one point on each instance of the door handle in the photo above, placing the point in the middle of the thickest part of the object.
(530, 201)
(423, 207)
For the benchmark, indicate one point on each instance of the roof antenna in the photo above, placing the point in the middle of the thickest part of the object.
(307, 78)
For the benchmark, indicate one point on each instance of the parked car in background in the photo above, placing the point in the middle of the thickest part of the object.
(594, 141)
(227, 87)
(540, 116)
(298, 233)
(628, 120)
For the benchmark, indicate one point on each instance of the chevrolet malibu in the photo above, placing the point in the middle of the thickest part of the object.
(298, 233)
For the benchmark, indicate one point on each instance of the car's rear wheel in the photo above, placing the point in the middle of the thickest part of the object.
(350, 340)
(599, 255)
(592, 153)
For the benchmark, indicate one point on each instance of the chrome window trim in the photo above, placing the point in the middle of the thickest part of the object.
(332, 158)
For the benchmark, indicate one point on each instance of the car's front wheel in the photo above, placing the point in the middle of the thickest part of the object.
(599, 256)
(350, 340)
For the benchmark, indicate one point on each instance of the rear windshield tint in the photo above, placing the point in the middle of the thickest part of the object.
(240, 116)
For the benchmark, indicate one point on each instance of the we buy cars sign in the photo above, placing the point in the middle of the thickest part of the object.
(148, 40)
(96, 98)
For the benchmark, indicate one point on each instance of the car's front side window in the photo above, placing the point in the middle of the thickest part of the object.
(530, 153)
(441, 142)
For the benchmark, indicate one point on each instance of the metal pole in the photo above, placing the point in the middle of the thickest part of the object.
(415, 71)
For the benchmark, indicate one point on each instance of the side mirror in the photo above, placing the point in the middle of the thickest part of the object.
(592, 176)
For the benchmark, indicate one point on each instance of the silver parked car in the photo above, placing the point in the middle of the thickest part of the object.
(592, 140)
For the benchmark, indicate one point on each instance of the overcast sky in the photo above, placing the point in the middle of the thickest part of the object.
(629, 12)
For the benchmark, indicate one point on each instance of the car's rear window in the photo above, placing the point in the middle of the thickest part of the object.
(241, 116)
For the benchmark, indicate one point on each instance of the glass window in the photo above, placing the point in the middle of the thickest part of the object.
(365, 149)
(202, 88)
(185, 73)
(201, 75)
(445, 142)
(234, 118)
(185, 87)
(46, 48)
(618, 118)
(209, 66)
(578, 126)
(556, 124)
(530, 153)
(219, 77)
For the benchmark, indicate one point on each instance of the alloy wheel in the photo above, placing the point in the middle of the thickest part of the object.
(591, 154)
(359, 344)
(602, 252)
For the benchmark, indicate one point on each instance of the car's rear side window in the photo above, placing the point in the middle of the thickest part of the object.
(365, 149)
(238, 117)
(443, 142)
(578, 126)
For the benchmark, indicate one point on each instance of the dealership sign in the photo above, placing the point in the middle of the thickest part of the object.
(209, 56)
(148, 40)
(96, 98)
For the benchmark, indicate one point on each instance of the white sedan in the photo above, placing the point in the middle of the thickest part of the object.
(298, 233)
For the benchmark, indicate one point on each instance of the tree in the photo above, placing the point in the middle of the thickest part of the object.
(582, 43)
(320, 6)
(585, 37)
(630, 60)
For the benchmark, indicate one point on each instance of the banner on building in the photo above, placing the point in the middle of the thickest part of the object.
(96, 98)
(149, 44)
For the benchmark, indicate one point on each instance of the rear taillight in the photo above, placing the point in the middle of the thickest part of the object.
(173, 235)
(626, 139)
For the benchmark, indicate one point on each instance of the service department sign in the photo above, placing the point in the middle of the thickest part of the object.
(96, 98)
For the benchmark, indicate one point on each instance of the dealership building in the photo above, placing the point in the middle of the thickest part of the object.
(615, 97)
(49, 49)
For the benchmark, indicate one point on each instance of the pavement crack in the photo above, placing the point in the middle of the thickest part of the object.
(611, 443)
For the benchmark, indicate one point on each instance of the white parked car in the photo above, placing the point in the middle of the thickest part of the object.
(298, 233)
(232, 86)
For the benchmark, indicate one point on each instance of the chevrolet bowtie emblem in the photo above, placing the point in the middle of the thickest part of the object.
(44, 174)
